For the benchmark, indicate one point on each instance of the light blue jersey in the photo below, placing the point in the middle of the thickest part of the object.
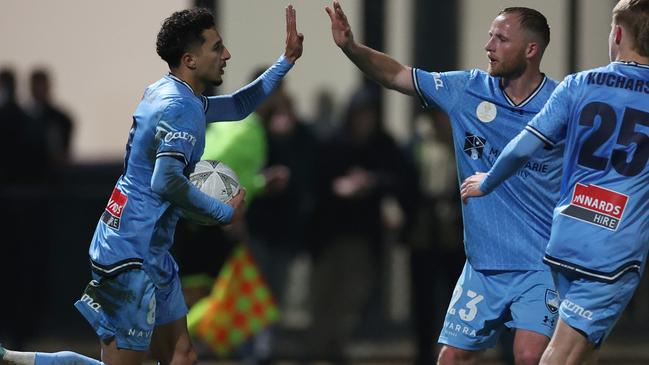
(137, 226)
(601, 223)
(508, 229)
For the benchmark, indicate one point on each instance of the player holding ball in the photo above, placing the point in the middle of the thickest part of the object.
(134, 302)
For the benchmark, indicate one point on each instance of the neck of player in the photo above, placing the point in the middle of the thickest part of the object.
(631, 56)
(197, 84)
(521, 87)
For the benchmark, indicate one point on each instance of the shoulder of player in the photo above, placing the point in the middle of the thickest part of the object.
(178, 107)
(585, 74)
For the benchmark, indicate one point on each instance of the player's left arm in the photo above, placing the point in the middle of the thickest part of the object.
(545, 128)
(244, 101)
(169, 182)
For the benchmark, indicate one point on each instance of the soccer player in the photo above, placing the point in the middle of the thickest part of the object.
(504, 282)
(134, 301)
(600, 231)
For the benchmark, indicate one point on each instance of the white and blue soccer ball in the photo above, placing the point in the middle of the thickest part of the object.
(215, 179)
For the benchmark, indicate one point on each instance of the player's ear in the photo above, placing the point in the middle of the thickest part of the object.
(617, 34)
(532, 49)
(188, 60)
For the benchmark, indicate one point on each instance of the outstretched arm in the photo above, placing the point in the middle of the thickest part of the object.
(513, 157)
(376, 65)
(244, 101)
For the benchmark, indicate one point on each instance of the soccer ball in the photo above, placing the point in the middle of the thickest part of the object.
(215, 179)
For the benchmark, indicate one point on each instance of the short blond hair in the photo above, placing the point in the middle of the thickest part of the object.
(634, 16)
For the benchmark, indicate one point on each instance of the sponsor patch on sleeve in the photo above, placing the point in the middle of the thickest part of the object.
(595, 205)
(112, 215)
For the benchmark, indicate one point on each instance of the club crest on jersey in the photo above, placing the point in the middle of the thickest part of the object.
(112, 215)
(473, 146)
(486, 112)
(552, 300)
(596, 205)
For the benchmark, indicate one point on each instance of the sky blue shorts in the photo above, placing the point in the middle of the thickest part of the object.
(485, 302)
(593, 307)
(127, 307)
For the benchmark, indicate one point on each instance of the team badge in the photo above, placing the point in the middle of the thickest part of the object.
(552, 300)
(473, 146)
(486, 112)
(595, 205)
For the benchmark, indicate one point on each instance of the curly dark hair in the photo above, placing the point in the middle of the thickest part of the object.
(181, 31)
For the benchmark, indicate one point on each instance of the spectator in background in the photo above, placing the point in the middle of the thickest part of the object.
(13, 124)
(357, 168)
(17, 318)
(55, 125)
(436, 257)
(324, 121)
(278, 220)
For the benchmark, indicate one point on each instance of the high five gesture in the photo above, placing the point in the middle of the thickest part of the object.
(340, 28)
(293, 38)
(376, 65)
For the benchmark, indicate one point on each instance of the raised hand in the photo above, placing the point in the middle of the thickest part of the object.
(340, 28)
(471, 186)
(293, 38)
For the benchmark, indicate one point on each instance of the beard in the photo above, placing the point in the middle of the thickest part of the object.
(509, 69)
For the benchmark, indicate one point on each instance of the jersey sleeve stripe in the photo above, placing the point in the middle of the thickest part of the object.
(116, 268)
(608, 277)
(415, 81)
(544, 139)
(176, 155)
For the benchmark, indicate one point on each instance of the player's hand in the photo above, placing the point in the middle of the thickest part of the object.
(471, 186)
(293, 38)
(237, 202)
(340, 28)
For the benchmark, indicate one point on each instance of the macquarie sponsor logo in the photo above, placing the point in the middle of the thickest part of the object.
(595, 205)
(112, 215)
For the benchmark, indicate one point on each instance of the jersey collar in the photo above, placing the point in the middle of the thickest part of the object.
(203, 98)
(631, 63)
(529, 98)
(177, 79)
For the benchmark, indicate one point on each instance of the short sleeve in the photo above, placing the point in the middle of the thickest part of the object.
(444, 89)
(549, 125)
(177, 131)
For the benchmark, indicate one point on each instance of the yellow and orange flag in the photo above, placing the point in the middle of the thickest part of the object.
(239, 306)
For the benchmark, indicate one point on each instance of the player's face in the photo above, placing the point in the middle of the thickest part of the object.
(506, 47)
(211, 58)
